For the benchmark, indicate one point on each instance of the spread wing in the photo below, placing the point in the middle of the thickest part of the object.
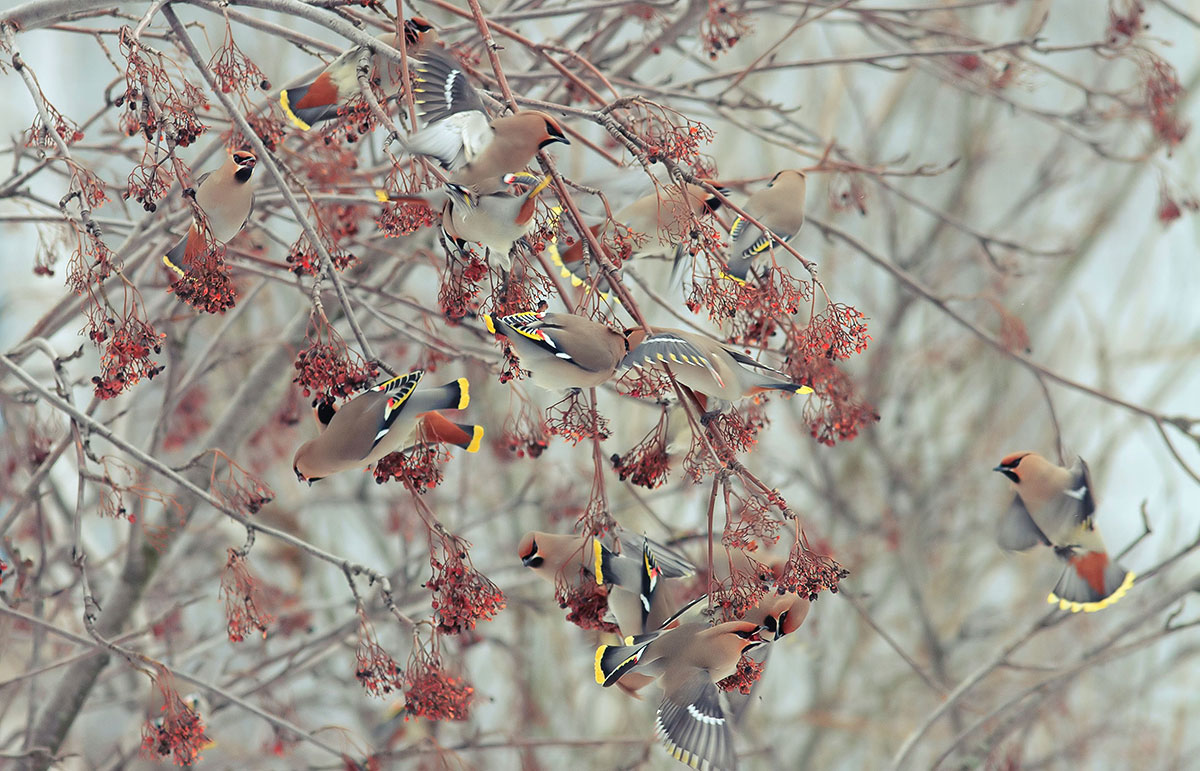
(442, 89)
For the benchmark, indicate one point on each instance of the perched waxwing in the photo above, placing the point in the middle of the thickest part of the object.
(381, 421)
(777, 613)
(226, 197)
(653, 223)
(431, 427)
(337, 84)
(632, 573)
(690, 659)
(459, 134)
(496, 220)
(1055, 506)
(780, 207)
(705, 365)
(561, 350)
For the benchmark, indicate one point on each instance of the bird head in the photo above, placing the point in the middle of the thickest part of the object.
(786, 173)
(245, 165)
(1010, 466)
(414, 29)
(323, 411)
(298, 461)
(553, 133)
(633, 337)
(244, 159)
(528, 551)
(749, 633)
(711, 202)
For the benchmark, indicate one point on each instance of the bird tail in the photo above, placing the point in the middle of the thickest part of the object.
(574, 252)
(172, 258)
(436, 428)
(457, 395)
(1090, 582)
(792, 388)
(612, 661)
(301, 117)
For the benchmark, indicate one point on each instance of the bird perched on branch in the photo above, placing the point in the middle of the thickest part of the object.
(319, 100)
(632, 572)
(561, 350)
(1054, 506)
(381, 421)
(705, 365)
(226, 198)
(459, 134)
(496, 220)
(689, 660)
(780, 207)
(654, 224)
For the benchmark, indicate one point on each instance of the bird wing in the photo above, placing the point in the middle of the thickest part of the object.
(671, 564)
(1067, 517)
(443, 88)
(453, 141)
(397, 390)
(669, 348)
(587, 347)
(1017, 531)
(750, 361)
(693, 726)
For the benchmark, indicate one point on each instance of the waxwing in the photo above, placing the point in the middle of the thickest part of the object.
(561, 350)
(226, 198)
(1054, 506)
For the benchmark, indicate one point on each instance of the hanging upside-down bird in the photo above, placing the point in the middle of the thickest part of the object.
(654, 224)
(478, 150)
(496, 220)
(383, 420)
(226, 198)
(780, 207)
(1054, 506)
(561, 350)
(705, 365)
(689, 659)
(319, 100)
(632, 573)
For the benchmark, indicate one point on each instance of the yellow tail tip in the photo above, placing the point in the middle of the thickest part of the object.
(476, 439)
(488, 322)
(732, 277)
(600, 672)
(598, 560)
(173, 266)
(1092, 607)
(287, 109)
(382, 196)
(805, 390)
(465, 393)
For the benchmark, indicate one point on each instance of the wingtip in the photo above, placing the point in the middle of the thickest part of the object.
(464, 393)
(287, 109)
(476, 439)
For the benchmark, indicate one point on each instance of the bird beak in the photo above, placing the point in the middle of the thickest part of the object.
(527, 559)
